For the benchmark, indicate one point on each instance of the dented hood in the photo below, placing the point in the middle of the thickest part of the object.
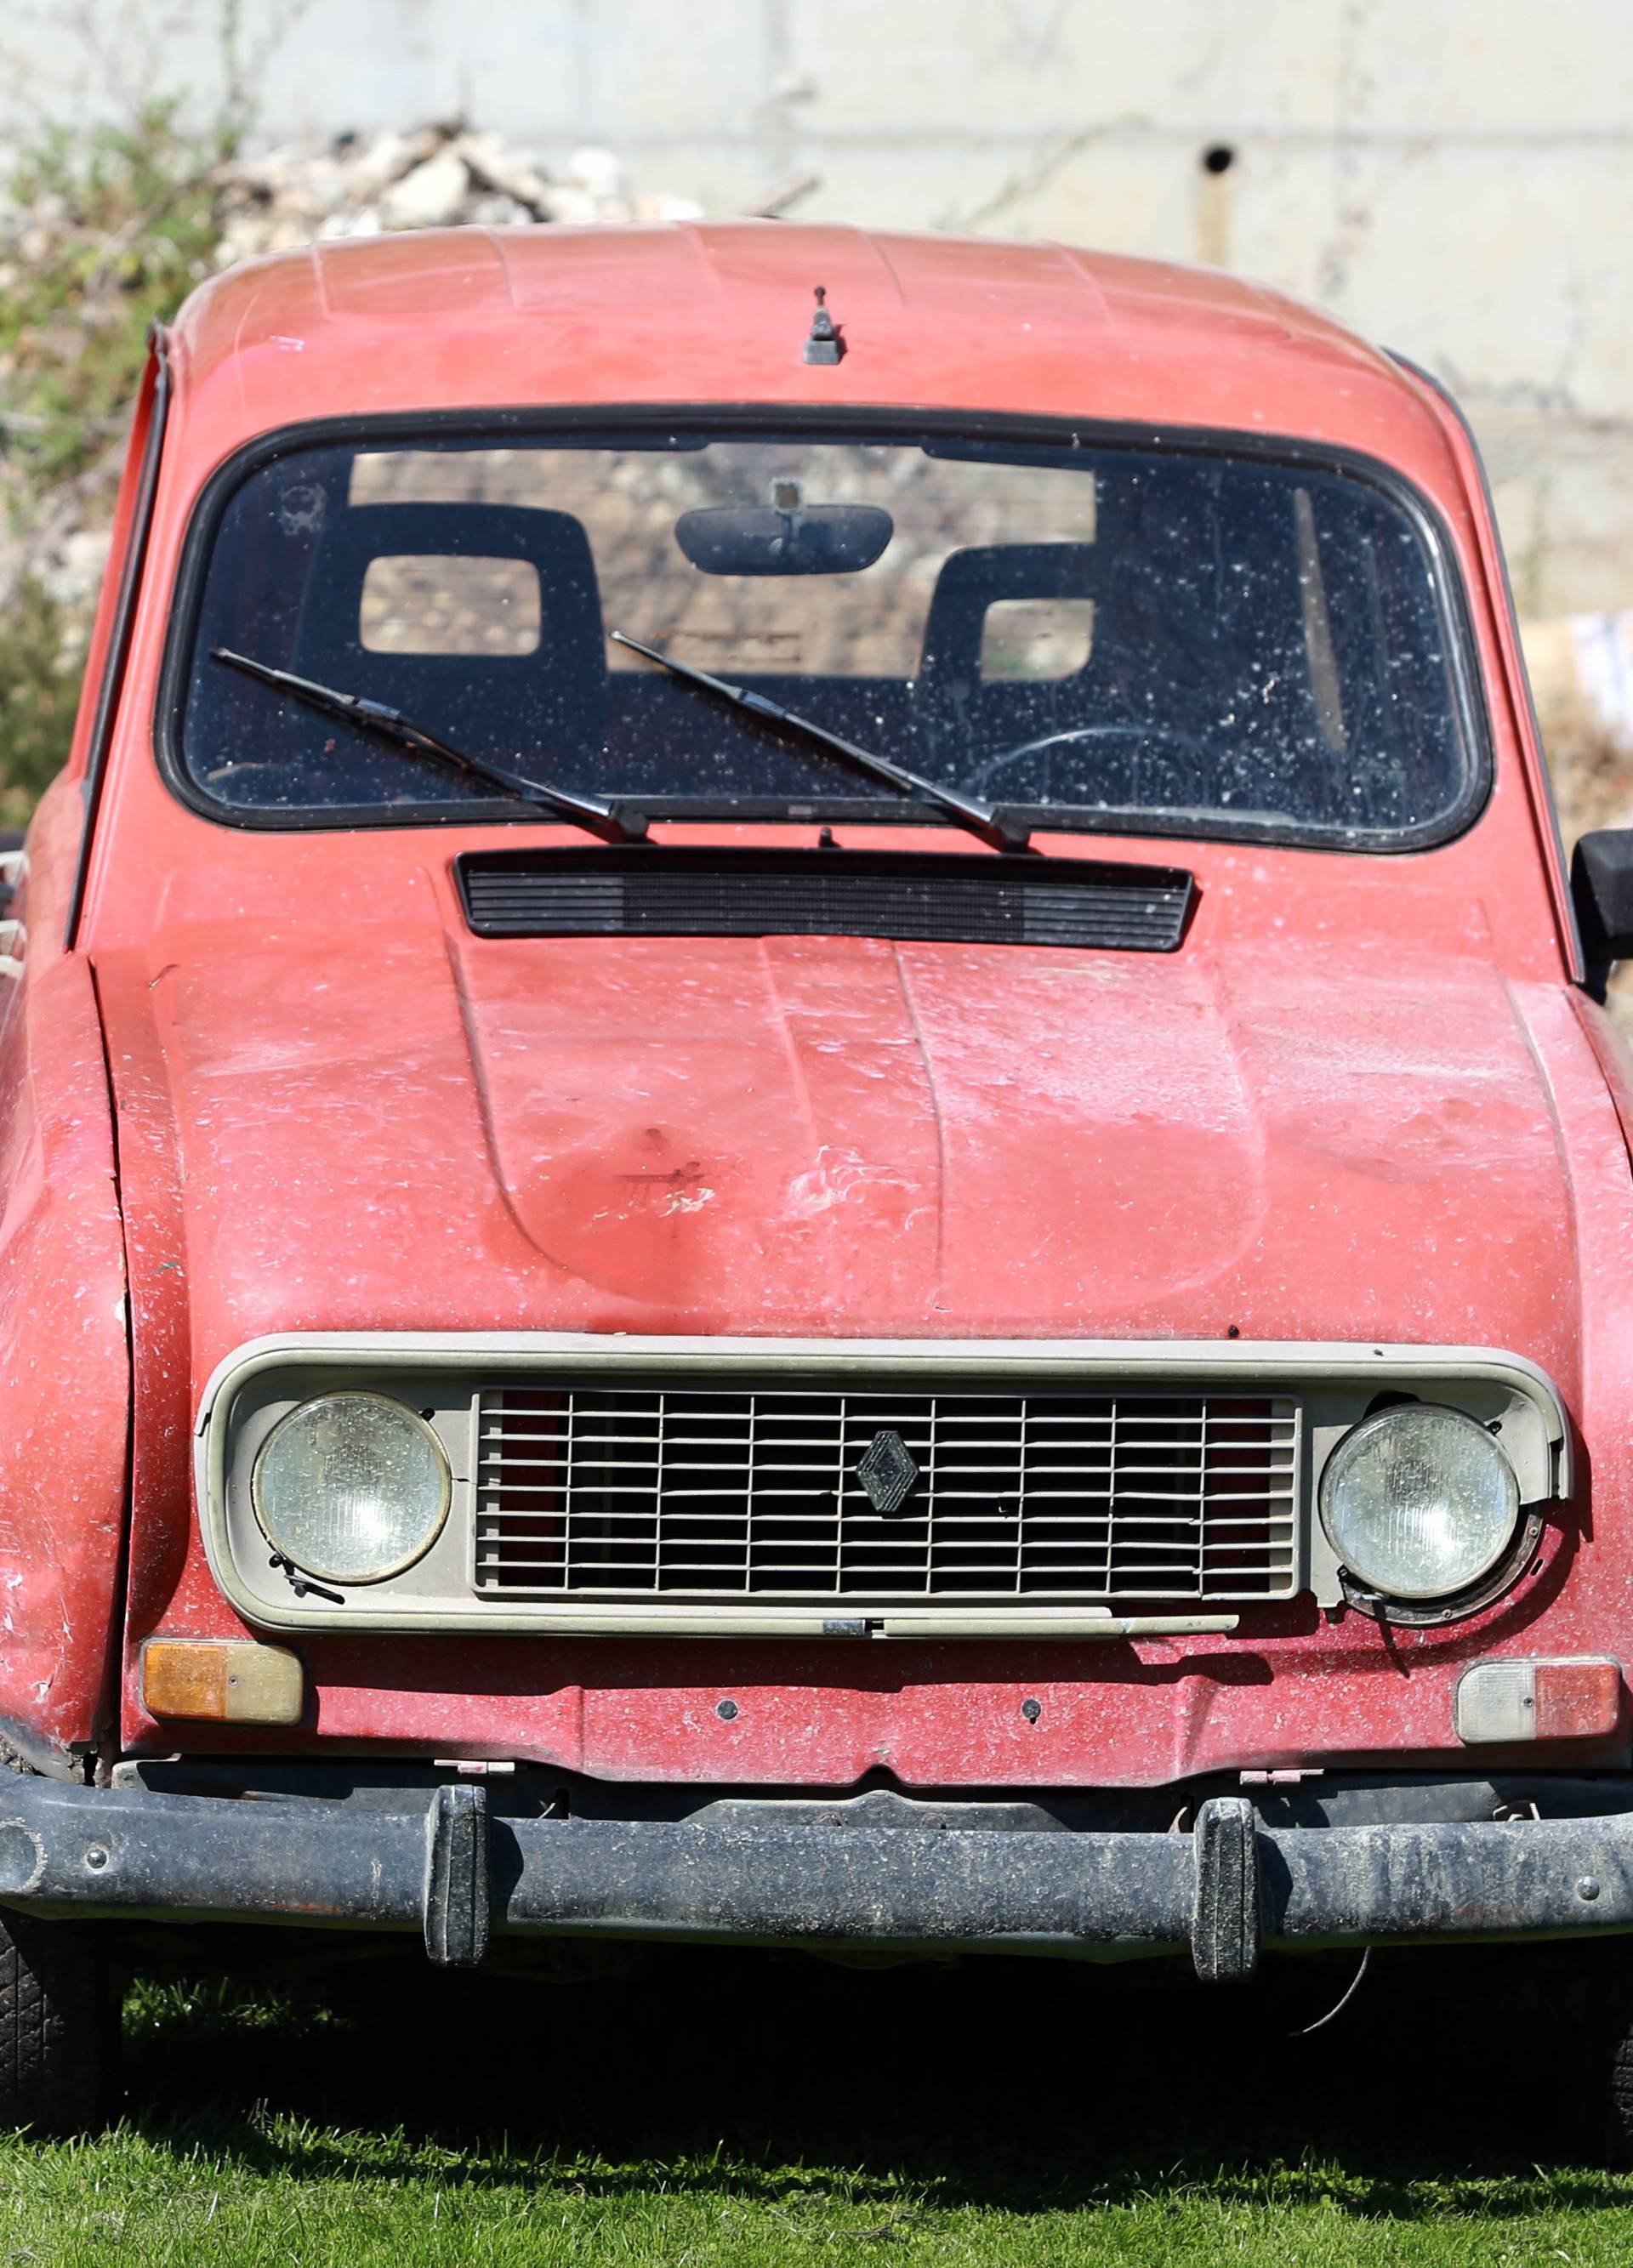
(393, 1128)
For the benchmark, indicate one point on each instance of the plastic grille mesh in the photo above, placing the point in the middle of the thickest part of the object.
(737, 1491)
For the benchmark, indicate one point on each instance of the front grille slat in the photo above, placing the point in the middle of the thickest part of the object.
(734, 1491)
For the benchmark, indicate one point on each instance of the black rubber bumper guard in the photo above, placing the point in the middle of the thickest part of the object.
(454, 1871)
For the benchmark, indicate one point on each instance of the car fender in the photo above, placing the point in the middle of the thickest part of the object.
(64, 1371)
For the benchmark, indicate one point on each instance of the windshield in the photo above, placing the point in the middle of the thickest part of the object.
(1090, 635)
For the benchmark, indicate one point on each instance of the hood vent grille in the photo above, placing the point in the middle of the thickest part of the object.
(931, 896)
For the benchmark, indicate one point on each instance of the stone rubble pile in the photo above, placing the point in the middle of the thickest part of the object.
(438, 176)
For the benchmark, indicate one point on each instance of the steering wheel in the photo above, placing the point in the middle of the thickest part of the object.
(981, 782)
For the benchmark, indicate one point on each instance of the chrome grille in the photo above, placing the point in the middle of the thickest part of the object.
(744, 1489)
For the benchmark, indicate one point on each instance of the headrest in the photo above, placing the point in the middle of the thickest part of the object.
(549, 701)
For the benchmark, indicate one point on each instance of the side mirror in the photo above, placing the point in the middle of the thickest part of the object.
(1601, 887)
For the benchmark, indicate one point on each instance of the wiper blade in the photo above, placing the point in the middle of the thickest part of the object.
(398, 731)
(992, 825)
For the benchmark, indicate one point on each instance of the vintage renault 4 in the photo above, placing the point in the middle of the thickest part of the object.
(804, 1140)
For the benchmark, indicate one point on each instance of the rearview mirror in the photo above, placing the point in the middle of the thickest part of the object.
(755, 539)
(1602, 884)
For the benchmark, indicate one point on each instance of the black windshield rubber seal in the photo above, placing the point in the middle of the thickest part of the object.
(671, 425)
(118, 653)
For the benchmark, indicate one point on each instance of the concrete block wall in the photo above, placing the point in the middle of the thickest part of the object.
(1453, 176)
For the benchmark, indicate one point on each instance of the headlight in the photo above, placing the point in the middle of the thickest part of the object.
(1419, 1501)
(352, 1486)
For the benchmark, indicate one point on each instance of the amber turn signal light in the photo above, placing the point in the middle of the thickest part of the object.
(225, 1681)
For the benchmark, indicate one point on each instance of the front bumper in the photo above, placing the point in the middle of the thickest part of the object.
(444, 1867)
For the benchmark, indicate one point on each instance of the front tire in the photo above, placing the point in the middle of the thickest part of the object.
(1610, 2106)
(59, 2025)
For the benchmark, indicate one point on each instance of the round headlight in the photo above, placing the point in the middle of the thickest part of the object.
(1419, 1501)
(352, 1486)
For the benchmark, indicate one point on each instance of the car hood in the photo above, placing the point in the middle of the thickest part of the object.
(391, 1127)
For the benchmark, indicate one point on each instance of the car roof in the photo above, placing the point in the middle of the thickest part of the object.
(455, 318)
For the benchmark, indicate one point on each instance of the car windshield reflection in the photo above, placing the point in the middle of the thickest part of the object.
(1087, 634)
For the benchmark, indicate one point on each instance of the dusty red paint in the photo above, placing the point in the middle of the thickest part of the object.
(1365, 1101)
(64, 1362)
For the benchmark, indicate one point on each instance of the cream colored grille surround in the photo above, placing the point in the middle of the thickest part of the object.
(683, 1487)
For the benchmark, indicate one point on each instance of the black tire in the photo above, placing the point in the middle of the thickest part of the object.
(1585, 2034)
(59, 2025)
(1615, 2121)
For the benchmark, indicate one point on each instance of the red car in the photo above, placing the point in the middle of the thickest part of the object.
(806, 1140)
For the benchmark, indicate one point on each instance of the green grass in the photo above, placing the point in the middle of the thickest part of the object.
(751, 2111)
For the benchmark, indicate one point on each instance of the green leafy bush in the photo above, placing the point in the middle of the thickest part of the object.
(108, 229)
(115, 225)
(39, 692)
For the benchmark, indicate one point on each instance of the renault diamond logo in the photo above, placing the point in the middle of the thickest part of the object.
(887, 1472)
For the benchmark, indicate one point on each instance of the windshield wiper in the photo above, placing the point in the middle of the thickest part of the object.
(398, 731)
(993, 826)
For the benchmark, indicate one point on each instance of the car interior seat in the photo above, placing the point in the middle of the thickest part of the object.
(551, 702)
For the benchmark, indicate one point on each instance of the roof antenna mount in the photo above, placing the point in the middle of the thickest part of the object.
(824, 343)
